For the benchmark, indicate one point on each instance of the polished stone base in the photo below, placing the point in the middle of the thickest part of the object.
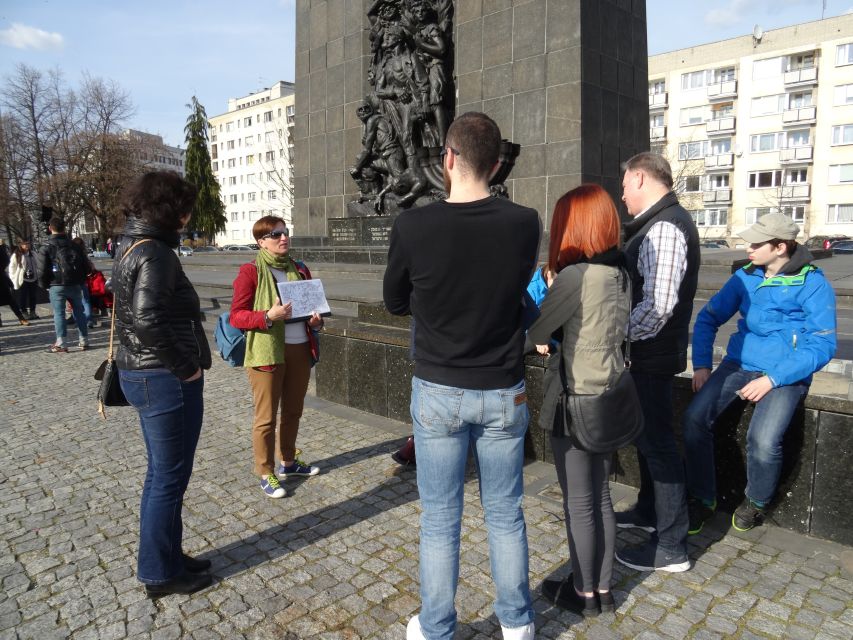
(365, 364)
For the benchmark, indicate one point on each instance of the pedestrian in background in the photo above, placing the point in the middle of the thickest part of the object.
(7, 295)
(22, 271)
(162, 353)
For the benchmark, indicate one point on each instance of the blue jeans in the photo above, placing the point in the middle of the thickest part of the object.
(73, 294)
(764, 436)
(492, 423)
(170, 412)
(87, 304)
(662, 496)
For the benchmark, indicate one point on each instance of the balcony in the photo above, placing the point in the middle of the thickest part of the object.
(719, 161)
(791, 155)
(803, 115)
(722, 90)
(658, 100)
(717, 196)
(657, 133)
(793, 192)
(721, 126)
(801, 77)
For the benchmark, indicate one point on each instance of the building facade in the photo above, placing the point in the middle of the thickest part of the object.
(156, 155)
(760, 123)
(251, 148)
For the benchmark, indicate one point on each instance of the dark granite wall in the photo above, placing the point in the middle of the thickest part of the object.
(538, 67)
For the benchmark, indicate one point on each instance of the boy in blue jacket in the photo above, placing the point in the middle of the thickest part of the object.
(785, 333)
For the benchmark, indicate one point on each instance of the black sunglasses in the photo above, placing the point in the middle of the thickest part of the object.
(275, 235)
(446, 149)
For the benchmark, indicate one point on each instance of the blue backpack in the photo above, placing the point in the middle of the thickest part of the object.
(230, 341)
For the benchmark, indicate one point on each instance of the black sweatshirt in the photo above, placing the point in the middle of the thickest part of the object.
(461, 270)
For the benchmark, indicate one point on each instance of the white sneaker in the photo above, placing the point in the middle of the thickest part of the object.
(518, 633)
(413, 630)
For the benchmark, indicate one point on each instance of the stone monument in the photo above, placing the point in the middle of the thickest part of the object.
(564, 79)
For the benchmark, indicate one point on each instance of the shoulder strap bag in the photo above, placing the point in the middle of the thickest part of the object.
(109, 392)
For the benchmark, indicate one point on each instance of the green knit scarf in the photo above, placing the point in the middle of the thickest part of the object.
(265, 347)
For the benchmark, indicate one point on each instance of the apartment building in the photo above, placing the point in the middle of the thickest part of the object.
(155, 154)
(760, 123)
(251, 149)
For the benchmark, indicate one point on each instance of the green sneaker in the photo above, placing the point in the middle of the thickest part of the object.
(699, 513)
(748, 515)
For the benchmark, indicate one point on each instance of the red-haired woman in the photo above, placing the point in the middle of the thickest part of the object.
(279, 354)
(589, 303)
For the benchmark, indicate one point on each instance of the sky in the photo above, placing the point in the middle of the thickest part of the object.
(162, 53)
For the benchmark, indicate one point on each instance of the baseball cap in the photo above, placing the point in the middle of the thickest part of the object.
(771, 226)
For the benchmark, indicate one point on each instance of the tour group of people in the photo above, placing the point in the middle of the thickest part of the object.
(461, 268)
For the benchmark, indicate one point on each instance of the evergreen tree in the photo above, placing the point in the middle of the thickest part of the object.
(209, 212)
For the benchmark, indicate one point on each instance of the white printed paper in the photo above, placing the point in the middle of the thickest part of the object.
(306, 296)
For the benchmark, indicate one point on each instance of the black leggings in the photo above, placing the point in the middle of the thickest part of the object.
(590, 523)
(27, 296)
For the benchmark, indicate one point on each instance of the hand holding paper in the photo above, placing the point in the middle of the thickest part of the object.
(306, 297)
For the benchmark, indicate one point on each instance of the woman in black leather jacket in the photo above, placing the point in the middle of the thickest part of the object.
(162, 352)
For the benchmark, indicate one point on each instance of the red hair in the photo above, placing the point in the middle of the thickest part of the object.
(584, 223)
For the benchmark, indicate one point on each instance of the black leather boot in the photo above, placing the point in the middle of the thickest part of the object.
(184, 583)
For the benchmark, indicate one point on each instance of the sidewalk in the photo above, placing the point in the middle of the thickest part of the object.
(337, 558)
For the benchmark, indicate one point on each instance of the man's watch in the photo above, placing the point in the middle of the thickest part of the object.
(267, 319)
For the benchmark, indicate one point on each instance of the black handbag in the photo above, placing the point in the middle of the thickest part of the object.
(109, 392)
(605, 422)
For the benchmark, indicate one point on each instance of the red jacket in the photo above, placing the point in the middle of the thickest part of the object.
(243, 315)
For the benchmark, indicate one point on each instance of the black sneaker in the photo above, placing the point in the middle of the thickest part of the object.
(699, 513)
(184, 583)
(633, 519)
(606, 602)
(649, 557)
(562, 593)
(748, 515)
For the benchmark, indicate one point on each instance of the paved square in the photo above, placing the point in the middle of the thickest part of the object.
(335, 559)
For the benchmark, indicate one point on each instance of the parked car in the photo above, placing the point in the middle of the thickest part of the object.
(206, 249)
(824, 242)
(185, 251)
(253, 246)
(236, 247)
(842, 246)
(713, 244)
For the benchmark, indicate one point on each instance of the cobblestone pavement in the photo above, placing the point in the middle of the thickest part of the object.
(338, 557)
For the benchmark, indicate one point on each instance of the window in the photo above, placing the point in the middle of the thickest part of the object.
(656, 121)
(232, 180)
(233, 198)
(229, 144)
(231, 163)
(844, 54)
(269, 156)
(722, 110)
(754, 213)
(765, 142)
(798, 138)
(252, 196)
(840, 212)
(253, 215)
(718, 181)
(233, 216)
(271, 194)
(270, 175)
(268, 116)
(843, 94)
(841, 173)
(249, 141)
(842, 134)
(250, 159)
(692, 115)
(695, 79)
(213, 152)
(764, 179)
(796, 176)
(216, 166)
(800, 99)
(691, 184)
(726, 74)
(247, 122)
(235, 234)
(768, 105)
(721, 145)
(290, 110)
(229, 126)
(692, 150)
(801, 61)
(269, 136)
(769, 68)
(716, 217)
(797, 213)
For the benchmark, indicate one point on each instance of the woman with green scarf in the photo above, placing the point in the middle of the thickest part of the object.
(279, 355)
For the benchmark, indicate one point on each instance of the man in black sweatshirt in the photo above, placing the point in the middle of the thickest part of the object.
(460, 267)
